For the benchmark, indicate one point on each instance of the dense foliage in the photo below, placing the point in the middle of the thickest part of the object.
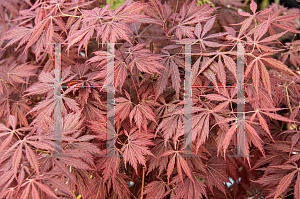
(149, 99)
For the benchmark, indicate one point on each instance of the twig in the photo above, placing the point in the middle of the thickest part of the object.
(143, 180)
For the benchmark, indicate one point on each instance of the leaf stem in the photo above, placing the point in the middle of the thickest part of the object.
(39, 150)
(67, 14)
(287, 98)
(16, 134)
(143, 181)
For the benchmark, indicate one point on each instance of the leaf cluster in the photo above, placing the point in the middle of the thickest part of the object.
(150, 157)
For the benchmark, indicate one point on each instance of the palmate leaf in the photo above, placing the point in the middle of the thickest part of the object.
(158, 150)
(14, 73)
(109, 25)
(83, 36)
(46, 107)
(129, 12)
(17, 34)
(272, 19)
(254, 137)
(274, 116)
(261, 62)
(161, 82)
(123, 107)
(156, 189)
(70, 124)
(172, 124)
(94, 111)
(110, 166)
(32, 158)
(181, 164)
(31, 189)
(75, 162)
(201, 119)
(18, 110)
(216, 173)
(246, 23)
(18, 155)
(285, 182)
(189, 188)
(278, 65)
(251, 135)
(12, 121)
(150, 129)
(62, 169)
(121, 67)
(292, 54)
(227, 138)
(120, 185)
(141, 59)
(191, 14)
(158, 12)
(60, 185)
(136, 147)
(9, 194)
(36, 35)
(99, 127)
(98, 189)
(209, 63)
(47, 82)
(270, 23)
(210, 73)
(18, 147)
(86, 147)
(175, 76)
(200, 34)
(200, 128)
(144, 59)
(172, 64)
(141, 113)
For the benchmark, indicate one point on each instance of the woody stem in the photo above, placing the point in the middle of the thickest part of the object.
(143, 180)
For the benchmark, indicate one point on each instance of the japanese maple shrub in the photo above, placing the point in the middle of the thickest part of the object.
(150, 40)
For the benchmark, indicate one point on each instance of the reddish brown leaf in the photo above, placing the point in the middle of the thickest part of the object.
(32, 158)
(284, 183)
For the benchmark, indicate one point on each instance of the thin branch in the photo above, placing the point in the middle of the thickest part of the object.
(143, 181)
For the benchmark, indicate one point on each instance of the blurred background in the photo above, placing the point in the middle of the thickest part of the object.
(285, 3)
